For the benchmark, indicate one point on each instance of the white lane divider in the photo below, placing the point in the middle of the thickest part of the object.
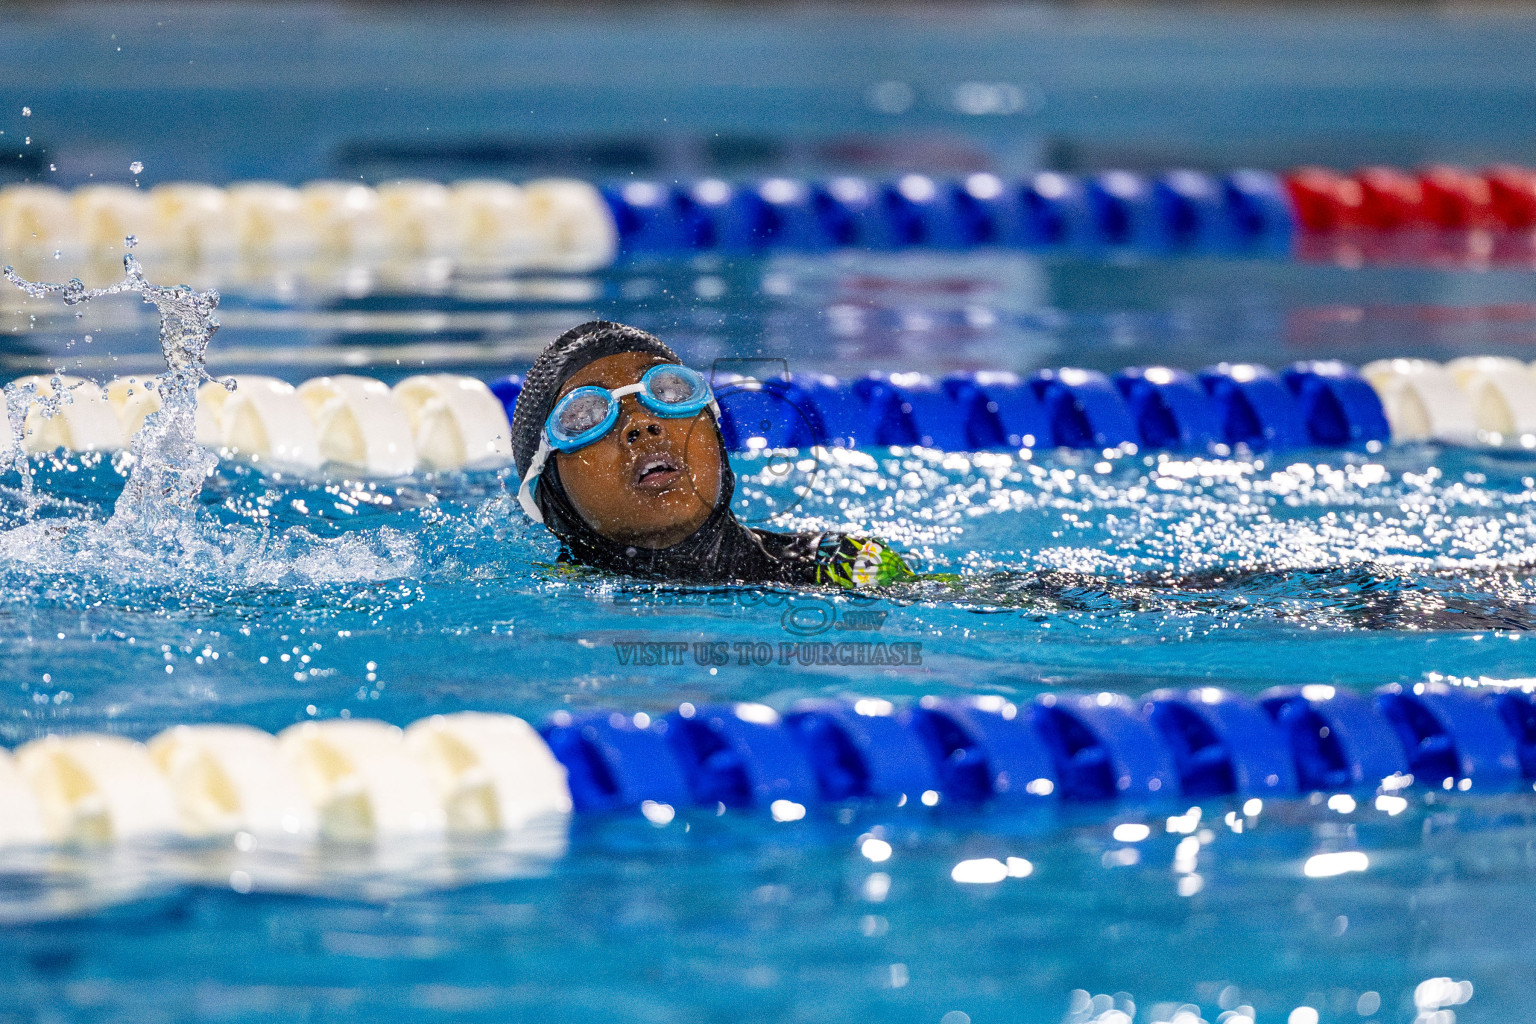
(1503, 396)
(132, 401)
(456, 421)
(362, 780)
(493, 223)
(1422, 401)
(360, 424)
(417, 218)
(263, 419)
(267, 218)
(21, 819)
(554, 224)
(341, 217)
(192, 220)
(572, 223)
(432, 422)
(104, 215)
(492, 772)
(95, 789)
(75, 415)
(353, 780)
(231, 778)
(36, 217)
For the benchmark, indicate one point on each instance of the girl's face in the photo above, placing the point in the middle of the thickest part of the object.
(650, 481)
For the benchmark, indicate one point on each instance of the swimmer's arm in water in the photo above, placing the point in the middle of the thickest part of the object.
(858, 563)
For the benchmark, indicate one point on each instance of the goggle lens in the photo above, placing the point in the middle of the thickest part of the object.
(672, 387)
(582, 413)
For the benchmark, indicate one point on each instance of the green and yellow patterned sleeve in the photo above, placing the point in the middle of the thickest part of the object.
(859, 563)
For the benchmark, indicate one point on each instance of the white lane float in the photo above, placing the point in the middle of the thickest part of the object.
(1503, 397)
(106, 215)
(21, 824)
(268, 218)
(232, 778)
(72, 413)
(191, 220)
(342, 217)
(456, 421)
(360, 424)
(362, 780)
(492, 772)
(416, 218)
(492, 223)
(95, 789)
(572, 224)
(263, 419)
(132, 401)
(36, 217)
(1422, 401)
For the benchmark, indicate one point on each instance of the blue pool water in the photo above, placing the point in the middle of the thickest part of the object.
(315, 599)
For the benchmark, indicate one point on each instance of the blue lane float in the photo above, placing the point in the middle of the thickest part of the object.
(1338, 740)
(1170, 408)
(1450, 734)
(1254, 408)
(1338, 407)
(739, 756)
(863, 749)
(615, 761)
(1169, 746)
(1083, 408)
(1222, 743)
(1222, 409)
(1182, 210)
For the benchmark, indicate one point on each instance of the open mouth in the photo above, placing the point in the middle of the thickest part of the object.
(657, 472)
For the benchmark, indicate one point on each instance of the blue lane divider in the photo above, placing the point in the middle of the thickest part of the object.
(1170, 408)
(1259, 209)
(984, 748)
(1222, 743)
(843, 416)
(732, 757)
(867, 749)
(1311, 404)
(1338, 406)
(1125, 212)
(1450, 733)
(1055, 212)
(1191, 211)
(612, 763)
(1169, 745)
(1253, 407)
(1084, 409)
(1337, 738)
(768, 414)
(1245, 210)
(1020, 418)
(1517, 711)
(506, 389)
(1104, 748)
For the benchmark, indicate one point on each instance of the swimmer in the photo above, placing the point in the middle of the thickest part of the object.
(619, 454)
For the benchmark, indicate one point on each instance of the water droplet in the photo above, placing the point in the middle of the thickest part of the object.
(131, 241)
(26, 111)
(137, 167)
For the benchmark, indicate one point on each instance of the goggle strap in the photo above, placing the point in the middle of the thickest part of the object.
(525, 490)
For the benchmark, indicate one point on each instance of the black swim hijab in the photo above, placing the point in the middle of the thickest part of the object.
(720, 550)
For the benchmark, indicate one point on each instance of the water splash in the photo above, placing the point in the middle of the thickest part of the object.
(158, 505)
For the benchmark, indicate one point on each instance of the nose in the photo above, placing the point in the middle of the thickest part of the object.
(639, 421)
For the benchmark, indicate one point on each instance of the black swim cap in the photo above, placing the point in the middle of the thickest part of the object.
(558, 363)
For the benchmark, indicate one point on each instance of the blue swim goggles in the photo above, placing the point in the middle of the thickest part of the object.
(587, 414)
